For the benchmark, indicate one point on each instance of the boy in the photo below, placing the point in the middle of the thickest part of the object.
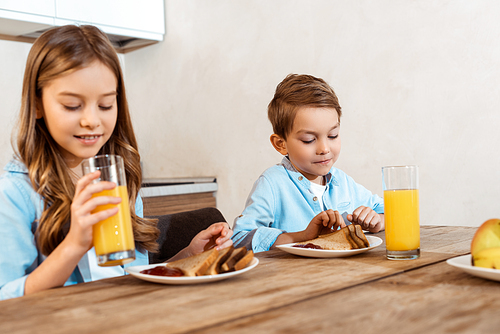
(304, 187)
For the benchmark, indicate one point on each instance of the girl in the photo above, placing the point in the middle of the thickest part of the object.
(73, 107)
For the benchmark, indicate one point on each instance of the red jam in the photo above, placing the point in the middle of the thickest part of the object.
(163, 271)
(309, 245)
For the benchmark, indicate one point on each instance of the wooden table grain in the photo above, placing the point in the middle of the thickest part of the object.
(285, 293)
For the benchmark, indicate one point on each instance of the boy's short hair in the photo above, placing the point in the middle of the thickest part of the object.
(294, 92)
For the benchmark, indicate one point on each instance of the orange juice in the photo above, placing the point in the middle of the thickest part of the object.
(114, 234)
(402, 228)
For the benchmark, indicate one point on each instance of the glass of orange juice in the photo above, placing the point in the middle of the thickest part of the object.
(113, 237)
(401, 212)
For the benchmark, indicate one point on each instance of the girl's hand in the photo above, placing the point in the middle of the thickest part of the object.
(59, 265)
(325, 222)
(82, 220)
(217, 235)
(367, 218)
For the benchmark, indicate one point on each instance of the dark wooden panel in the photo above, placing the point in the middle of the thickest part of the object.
(162, 205)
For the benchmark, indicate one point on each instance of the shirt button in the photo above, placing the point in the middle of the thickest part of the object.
(315, 198)
(300, 178)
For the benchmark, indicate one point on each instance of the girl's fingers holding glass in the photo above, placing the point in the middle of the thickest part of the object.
(91, 189)
(87, 207)
(104, 200)
(81, 225)
(101, 215)
(100, 186)
(86, 180)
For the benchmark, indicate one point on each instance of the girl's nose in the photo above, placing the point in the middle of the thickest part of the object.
(90, 118)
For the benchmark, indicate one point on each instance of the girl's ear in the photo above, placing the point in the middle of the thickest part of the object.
(39, 109)
(279, 144)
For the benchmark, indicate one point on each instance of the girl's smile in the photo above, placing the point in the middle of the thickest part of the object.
(89, 139)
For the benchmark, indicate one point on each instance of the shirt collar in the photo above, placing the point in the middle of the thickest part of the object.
(15, 165)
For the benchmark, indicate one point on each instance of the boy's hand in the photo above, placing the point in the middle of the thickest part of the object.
(368, 219)
(325, 222)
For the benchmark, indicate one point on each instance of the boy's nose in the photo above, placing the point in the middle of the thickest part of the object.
(322, 148)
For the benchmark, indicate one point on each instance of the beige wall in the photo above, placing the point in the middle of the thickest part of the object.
(12, 60)
(418, 83)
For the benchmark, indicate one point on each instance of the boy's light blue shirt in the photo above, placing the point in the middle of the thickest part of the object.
(281, 201)
(20, 209)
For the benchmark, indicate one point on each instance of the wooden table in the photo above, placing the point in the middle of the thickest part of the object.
(365, 293)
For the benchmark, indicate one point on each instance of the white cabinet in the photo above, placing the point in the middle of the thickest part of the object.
(22, 17)
(129, 23)
(144, 18)
(38, 7)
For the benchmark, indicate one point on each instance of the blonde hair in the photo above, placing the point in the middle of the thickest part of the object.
(60, 51)
(294, 92)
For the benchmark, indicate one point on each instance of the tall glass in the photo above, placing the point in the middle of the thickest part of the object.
(113, 237)
(401, 212)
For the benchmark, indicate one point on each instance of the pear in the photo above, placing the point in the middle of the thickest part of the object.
(485, 246)
(487, 258)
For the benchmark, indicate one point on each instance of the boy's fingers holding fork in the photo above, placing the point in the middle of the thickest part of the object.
(335, 219)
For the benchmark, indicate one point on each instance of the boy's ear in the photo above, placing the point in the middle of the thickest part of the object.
(279, 144)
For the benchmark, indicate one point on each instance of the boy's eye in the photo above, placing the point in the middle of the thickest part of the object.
(307, 141)
(333, 137)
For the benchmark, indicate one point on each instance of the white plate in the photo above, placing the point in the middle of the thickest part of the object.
(309, 252)
(464, 262)
(136, 272)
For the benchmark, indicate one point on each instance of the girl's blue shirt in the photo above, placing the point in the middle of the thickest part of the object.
(20, 209)
(281, 201)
